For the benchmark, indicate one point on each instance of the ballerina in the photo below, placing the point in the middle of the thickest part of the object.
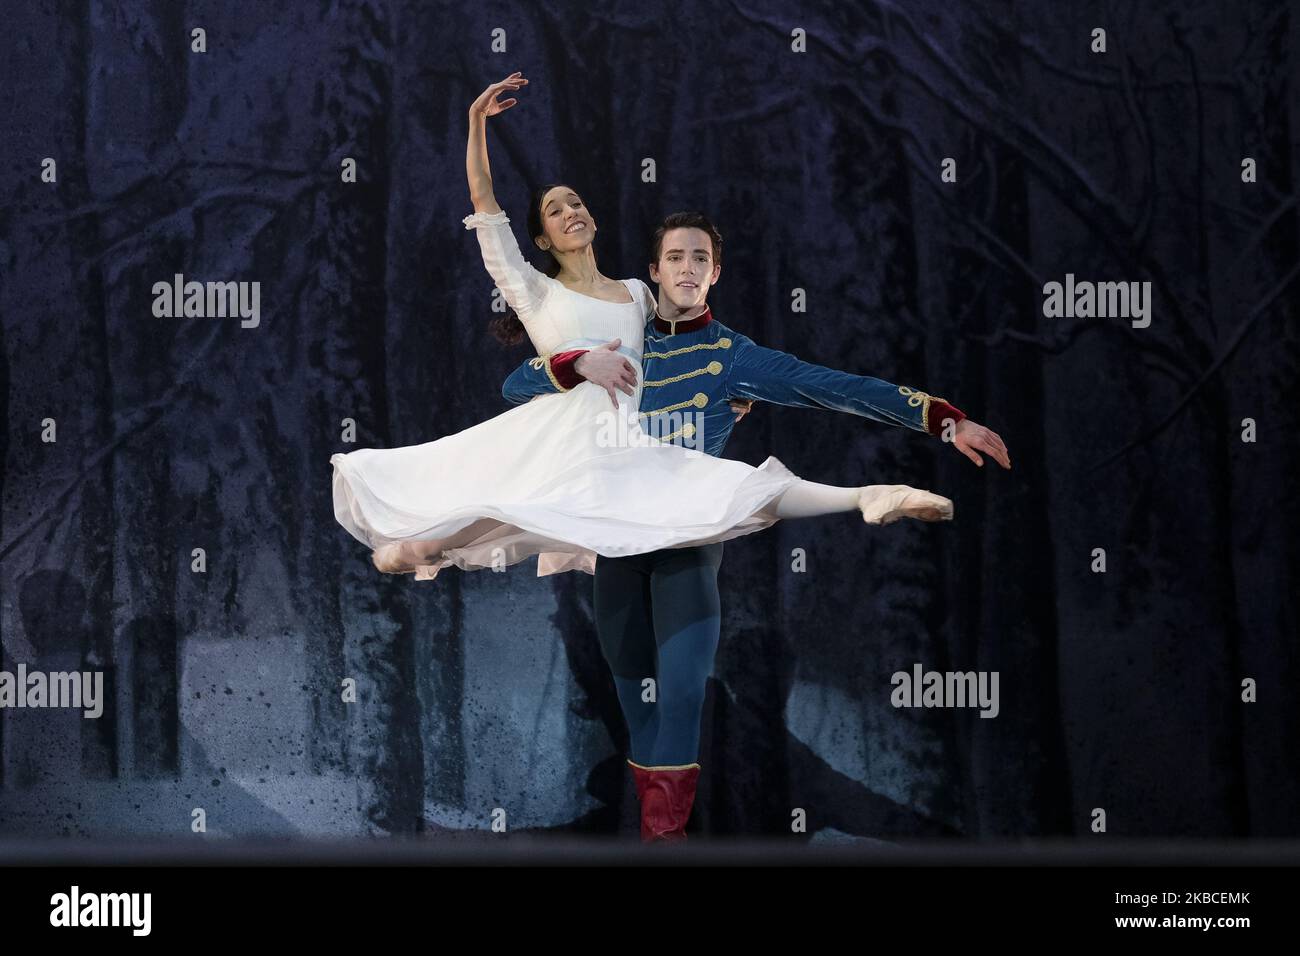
(546, 478)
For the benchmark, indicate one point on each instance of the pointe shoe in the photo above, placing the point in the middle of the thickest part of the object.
(884, 504)
(391, 559)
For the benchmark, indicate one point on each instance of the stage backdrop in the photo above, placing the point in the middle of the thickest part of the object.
(921, 170)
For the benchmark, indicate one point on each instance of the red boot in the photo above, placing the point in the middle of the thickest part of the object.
(667, 795)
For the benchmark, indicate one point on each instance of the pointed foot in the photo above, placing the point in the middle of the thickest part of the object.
(885, 504)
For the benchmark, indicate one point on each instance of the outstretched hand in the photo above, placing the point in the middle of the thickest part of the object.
(971, 438)
(487, 103)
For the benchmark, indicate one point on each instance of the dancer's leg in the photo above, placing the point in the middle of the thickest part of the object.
(688, 621)
(808, 499)
(404, 556)
(879, 504)
(621, 598)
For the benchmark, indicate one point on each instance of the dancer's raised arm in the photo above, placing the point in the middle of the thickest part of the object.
(522, 285)
(477, 170)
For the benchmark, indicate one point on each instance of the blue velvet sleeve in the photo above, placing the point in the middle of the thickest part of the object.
(778, 377)
(527, 382)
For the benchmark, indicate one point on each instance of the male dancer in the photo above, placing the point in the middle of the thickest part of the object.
(658, 615)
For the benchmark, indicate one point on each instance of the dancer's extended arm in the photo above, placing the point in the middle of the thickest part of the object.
(522, 285)
(779, 377)
(477, 169)
(768, 375)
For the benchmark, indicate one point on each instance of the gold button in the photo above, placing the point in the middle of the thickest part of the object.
(701, 399)
(688, 430)
(725, 342)
(715, 368)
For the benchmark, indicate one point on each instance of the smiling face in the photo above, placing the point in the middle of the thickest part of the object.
(685, 270)
(566, 223)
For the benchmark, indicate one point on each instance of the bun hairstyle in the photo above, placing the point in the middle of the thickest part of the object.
(508, 329)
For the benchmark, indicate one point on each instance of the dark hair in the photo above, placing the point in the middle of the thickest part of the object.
(686, 220)
(507, 328)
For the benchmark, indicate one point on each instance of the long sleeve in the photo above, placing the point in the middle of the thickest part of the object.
(524, 287)
(542, 375)
(778, 377)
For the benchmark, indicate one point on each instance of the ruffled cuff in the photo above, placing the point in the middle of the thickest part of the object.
(475, 220)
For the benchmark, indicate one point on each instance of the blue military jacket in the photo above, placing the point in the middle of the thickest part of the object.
(692, 368)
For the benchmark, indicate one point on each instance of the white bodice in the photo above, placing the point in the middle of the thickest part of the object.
(555, 317)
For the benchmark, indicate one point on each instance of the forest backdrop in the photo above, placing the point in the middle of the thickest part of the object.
(1119, 690)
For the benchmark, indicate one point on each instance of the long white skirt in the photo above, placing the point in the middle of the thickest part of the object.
(563, 477)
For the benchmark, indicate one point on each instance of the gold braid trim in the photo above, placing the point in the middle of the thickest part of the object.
(680, 766)
(699, 401)
(722, 343)
(546, 364)
(923, 399)
(687, 430)
(713, 368)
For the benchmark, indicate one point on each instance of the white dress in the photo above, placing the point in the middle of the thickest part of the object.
(562, 476)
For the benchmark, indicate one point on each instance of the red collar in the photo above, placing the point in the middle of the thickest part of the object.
(678, 326)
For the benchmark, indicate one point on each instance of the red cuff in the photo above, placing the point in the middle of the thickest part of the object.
(940, 410)
(563, 371)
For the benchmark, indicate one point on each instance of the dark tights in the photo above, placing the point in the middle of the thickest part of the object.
(658, 615)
